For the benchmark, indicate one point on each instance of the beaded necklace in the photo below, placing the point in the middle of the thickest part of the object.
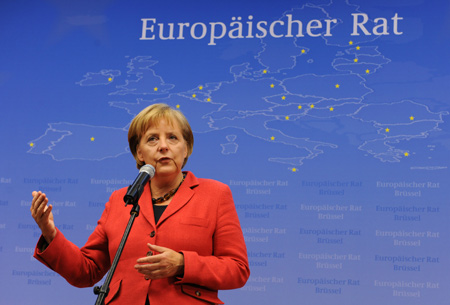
(167, 196)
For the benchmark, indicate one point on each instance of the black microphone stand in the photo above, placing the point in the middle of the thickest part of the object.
(103, 291)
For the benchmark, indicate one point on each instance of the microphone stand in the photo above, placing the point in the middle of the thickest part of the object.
(103, 291)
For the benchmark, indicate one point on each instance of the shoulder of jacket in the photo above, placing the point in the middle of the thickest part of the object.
(205, 182)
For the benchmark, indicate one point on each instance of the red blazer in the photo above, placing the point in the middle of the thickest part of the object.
(201, 222)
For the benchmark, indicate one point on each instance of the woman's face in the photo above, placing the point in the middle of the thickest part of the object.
(164, 147)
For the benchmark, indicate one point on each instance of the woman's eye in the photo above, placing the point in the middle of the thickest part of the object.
(173, 139)
(152, 139)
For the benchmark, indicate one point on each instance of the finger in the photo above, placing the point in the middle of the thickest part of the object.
(157, 248)
(39, 209)
(47, 211)
(35, 198)
(41, 205)
(153, 275)
(34, 194)
(148, 269)
(147, 260)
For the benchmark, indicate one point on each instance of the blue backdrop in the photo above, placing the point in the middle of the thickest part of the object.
(329, 120)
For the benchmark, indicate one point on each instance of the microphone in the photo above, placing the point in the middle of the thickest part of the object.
(135, 190)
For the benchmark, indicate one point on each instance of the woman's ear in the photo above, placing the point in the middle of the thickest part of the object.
(139, 154)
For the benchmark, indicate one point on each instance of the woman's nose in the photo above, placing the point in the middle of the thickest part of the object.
(163, 144)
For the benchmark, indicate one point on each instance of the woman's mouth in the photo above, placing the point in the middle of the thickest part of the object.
(165, 159)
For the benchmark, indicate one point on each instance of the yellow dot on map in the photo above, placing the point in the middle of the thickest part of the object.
(92, 139)
(208, 99)
(110, 79)
(264, 71)
(350, 42)
(294, 169)
(367, 71)
(31, 144)
(272, 138)
(331, 109)
(272, 85)
(287, 118)
(387, 130)
(194, 95)
(283, 97)
(303, 51)
(299, 107)
(311, 106)
(178, 106)
(155, 89)
(358, 47)
(337, 85)
(355, 60)
(200, 87)
(411, 118)
(406, 154)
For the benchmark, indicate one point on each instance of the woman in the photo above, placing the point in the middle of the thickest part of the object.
(187, 243)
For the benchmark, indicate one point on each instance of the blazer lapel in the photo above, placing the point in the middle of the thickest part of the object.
(181, 198)
(145, 203)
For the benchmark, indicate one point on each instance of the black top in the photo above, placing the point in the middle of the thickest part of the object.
(158, 210)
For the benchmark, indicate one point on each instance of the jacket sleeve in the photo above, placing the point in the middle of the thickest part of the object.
(228, 267)
(80, 267)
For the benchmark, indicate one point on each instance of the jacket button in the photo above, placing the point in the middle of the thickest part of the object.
(152, 234)
(198, 293)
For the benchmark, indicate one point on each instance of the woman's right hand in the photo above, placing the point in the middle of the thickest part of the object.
(42, 214)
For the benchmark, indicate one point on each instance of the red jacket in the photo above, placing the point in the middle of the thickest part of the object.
(201, 222)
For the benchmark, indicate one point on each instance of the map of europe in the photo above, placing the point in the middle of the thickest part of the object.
(298, 92)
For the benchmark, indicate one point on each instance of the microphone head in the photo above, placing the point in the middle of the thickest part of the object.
(147, 168)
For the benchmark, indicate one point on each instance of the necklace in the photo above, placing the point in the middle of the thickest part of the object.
(167, 196)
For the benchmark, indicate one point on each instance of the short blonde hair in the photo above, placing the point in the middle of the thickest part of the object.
(151, 116)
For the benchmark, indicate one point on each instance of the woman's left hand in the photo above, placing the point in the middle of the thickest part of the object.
(163, 263)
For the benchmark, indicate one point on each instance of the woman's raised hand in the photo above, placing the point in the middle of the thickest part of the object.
(42, 214)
